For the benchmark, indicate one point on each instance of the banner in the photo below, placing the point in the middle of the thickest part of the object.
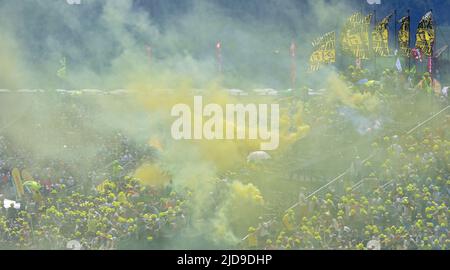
(355, 36)
(404, 36)
(324, 51)
(425, 35)
(380, 37)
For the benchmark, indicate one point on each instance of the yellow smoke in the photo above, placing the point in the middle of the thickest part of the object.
(243, 194)
(241, 209)
(152, 175)
(198, 164)
(341, 92)
(11, 72)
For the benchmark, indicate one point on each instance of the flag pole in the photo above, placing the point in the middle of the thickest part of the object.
(409, 40)
(373, 51)
(219, 56)
(358, 58)
(396, 42)
(395, 31)
(430, 58)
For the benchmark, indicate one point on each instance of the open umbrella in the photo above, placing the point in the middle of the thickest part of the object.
(258, 156)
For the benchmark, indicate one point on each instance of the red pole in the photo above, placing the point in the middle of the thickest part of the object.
(293, 54)
(219, 56)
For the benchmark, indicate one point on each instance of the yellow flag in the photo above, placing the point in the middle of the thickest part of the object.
(17, 182)
(380, 37)
(355, 36)
(404, 36)
(425, 35)
(324, 51)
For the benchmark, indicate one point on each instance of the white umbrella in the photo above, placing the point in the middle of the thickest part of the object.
(258, 156)
(373, 245)
(74, 245)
